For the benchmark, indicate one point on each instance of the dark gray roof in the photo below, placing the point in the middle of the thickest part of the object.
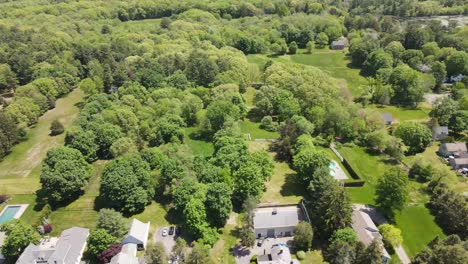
(68, 248)
(441, 130)
(366, 230)
(284, 217)
(455, 147)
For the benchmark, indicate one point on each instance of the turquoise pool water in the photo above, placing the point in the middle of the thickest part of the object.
(9, 213)
(332, 168)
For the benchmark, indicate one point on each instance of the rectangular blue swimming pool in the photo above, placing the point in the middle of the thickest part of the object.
(9, 213)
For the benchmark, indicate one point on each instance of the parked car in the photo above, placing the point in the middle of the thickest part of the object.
(177, 231)
(260, 242)
(171, 230)
(164, 232)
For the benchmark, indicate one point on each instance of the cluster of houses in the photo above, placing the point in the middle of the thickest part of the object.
(457, 155)
(70, 246)
(280, 221)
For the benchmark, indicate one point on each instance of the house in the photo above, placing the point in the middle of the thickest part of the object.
(275, 221)
(452, 149)
(339, 44)
(126, 256)
(459, 163)
(388, 118)
(138, 234)
(367, 231)
(279, 255)
(66, 249)
(2, 239)
(440, 132)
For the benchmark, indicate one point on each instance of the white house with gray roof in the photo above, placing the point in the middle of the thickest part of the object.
(367, 231)
(138, 234)
(279, 254)
(66, 249)
(275, 221)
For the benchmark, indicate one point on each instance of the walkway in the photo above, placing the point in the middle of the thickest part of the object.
(379, 220)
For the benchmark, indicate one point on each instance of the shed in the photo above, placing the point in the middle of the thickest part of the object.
(138, 234)
(440, 132)
(388, 118)
(339, 44)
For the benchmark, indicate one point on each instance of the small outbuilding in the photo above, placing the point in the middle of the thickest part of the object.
(275, 221)
(138, 234)
(459, 163)
(279, 254)
(440, 132)
(339, 44)
(388, 118)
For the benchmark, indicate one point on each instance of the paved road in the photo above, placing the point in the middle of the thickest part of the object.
(401, 253)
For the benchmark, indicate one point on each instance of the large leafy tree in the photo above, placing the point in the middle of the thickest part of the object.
(377, 60)
(113, 222)
(414, 135)
(392, 191)
(200, 68)
(443, 110)
(457, 63)
(248, 181)
(218, 203)
(219, 112)
(64, 174)
(307, 161)
(8, 134)
(126, 184)
(8, 78)
(391, 235)
(18, 236)
(407, 86)
(156, 254)
(443, 251)
(458, 122)
(99, 240)
(303, 235)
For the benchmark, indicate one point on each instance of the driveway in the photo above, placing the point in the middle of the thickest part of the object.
(168, 241)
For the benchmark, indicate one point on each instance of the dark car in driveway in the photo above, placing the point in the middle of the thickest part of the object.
(171, 230)
(260, 242)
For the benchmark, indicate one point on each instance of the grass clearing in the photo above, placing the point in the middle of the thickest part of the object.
(28, 154)
(249, 96)
(401, 114)
(221, 252)
(253, 128)
(198, 146)
(417, 228)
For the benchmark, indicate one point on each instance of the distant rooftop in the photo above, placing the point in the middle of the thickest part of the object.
(455, 147)
(366, 230)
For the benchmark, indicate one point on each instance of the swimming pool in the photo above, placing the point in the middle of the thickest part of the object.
(332, 167)
(9, 213)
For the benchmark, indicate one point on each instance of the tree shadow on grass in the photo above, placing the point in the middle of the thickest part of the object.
(254, 115)
(293, 186)
(197, 134)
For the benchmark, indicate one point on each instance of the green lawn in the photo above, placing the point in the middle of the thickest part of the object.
(249, 96)
(221, 253)
(417, 227)
(336, 63)
(252, 128)
(401, 114)
(198, 146)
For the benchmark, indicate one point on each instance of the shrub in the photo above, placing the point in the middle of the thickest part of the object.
(47, 228)
(56, 128)
(301, 255)
(3, 198)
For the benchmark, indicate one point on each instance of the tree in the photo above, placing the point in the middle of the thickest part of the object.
(344, 235)
(56, 128)
(200, 68)
(439, 72)
(373, 253)
(8, 78)
(199, 254)
(392, 191)
(321, 40)
(391, 235)
(195, 217)
(449, 250)
(407, 85)
(8, 134)
(154, 157)
(99, 240)
(443, 109)
(309, 160)
(310, 47)
(178, 250)
(458, 122)
(341, 252)
(18, 236)
(156, 254)
(123, 146)
(218, 203)
(109, 253)
(83, 141)
(335, 208)
(126, 184)
(457, 63)
(396, 49)
(283, 10)
(219, 112)
(248, 181)
(64, 174)
(303, 236)
(421, 171)
(113, 222)
(293, 47)
(414, 135)
(377, 60)
(247, 236)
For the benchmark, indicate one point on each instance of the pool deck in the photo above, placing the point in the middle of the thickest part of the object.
(20, 212)
(339, 173)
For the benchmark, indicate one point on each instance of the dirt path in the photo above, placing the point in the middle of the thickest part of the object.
(27, 155)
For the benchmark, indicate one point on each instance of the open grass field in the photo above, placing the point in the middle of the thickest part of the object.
(336, 63)
(417, 228)
(198, 146)
(401, 114)
(253, 128)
